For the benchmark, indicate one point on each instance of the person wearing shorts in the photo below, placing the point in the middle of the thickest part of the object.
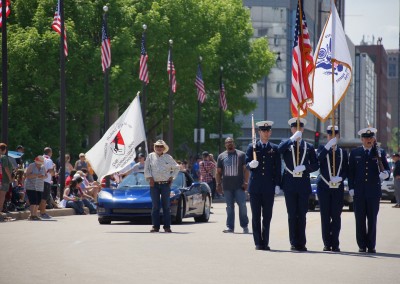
(35, 174)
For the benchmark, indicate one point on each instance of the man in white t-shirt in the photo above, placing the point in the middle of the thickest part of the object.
(50, 171)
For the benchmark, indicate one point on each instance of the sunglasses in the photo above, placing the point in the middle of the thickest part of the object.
(159, 146)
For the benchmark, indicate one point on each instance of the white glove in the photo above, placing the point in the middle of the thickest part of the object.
(277, 189)
(297, 135)
(331, 143)
(383, 175)
(351, 192)
(299, 169)
(336, 179)
(253, 164)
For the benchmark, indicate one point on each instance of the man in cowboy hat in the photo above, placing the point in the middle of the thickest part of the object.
(367, 168)
(300, 160)
(264, 183)
(160, 169)
(331, 189)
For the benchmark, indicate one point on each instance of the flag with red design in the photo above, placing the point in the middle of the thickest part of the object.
(171, 72)
(8, 11)
(201, 92)
(56, 26)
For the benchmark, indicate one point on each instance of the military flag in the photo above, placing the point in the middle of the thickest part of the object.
(332, 51)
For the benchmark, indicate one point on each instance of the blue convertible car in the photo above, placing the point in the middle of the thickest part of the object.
(132, 199)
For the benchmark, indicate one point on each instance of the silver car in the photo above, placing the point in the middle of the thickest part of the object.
(387, 187)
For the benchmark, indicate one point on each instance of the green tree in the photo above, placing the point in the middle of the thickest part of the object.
(218, 30)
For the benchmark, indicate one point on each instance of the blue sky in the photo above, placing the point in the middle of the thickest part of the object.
(378, 18)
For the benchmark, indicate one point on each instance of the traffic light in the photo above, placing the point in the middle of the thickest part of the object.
(316, 139)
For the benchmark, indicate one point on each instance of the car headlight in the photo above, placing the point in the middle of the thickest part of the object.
(105, 195)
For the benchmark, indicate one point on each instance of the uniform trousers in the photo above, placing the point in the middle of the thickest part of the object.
(366, 212)
(297, 207)
(261, 205)
(331, 205)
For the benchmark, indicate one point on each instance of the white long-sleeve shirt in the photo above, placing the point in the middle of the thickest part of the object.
(160, 168)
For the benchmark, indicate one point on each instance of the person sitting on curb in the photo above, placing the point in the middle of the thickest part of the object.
(72, 197)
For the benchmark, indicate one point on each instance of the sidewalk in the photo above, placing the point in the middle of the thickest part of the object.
(23, 215)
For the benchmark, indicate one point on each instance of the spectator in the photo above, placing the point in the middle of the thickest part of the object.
(6, 170)
(20, 162)
(90, 188)
(69, 178)
(160, 169)
(396, 176)
(73, 198)
(81, 163)
(207, 166)
(50, 171)
(34, 185)
(232, 172)
(139, 167)
(87, 199)
(196, 169)
(68, 165)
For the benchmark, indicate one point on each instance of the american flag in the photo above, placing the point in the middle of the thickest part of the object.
(105, 47)
(222, 97)
(8, 11)
(302, 65)
(171, 73)
(56, 26)
(143, 72)
(201, 92)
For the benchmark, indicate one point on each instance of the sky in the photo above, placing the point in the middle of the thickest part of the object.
(373, 18)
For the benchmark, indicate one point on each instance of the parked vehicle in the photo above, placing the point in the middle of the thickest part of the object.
(131, 199)
(387, 187)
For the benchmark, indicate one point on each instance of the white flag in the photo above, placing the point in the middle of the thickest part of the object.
(331, 45)
(116, 149)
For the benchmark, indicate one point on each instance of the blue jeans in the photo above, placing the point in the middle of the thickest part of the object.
(92, 207)
(155, 192)
(76, 205)
(239, 196)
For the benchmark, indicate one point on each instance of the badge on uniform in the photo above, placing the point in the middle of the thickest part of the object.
(298, 175)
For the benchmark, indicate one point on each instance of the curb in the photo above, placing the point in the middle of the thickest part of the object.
(23, 215)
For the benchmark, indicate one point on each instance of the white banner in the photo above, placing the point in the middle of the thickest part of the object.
(116, 149)
(331, 45)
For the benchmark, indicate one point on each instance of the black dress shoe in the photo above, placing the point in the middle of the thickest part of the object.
(326, 248)
(259, 247)
(371, 250)
(293, 248)
(362, 250)
(154, 230)
(267, 248)
(336, 249)
(301, 248)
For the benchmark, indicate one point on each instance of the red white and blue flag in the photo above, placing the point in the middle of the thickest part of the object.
(171, 72)
(222, 97)
(8, 11)
(201, 92)
(105, 47)
(56, 26)
(143, 71)
(302, 66)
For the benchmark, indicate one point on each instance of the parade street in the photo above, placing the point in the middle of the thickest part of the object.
(73, 249)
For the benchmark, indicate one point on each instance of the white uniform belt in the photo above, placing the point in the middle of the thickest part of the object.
(286, 168)
(327, 183)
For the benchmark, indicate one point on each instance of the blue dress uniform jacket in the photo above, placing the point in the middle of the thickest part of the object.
(297, 189)
(331, 199)
(364, 179)
(263, 180)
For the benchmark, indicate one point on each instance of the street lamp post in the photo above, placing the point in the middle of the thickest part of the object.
(171, 110)
(106, 95)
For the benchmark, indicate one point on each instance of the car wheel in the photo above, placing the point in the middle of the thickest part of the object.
(351, 207)
(104, 221)
(206, 211)
(180, 212)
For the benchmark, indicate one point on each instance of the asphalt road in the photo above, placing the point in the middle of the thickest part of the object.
(72, 249)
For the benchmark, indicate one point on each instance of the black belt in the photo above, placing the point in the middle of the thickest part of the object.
(161, 182)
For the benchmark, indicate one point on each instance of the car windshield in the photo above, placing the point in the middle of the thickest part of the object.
(138, 181)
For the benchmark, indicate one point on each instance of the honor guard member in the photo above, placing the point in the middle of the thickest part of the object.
(367, 168)
(264, 183)
(331, 188)
(296, 182)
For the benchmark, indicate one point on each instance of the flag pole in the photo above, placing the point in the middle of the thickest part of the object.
(106, 95)
(61, 177)
(4, 107)
(198, 119)
(144, 89)
(170, 108)
(298, 129)
(333, 91)
(220, 112)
